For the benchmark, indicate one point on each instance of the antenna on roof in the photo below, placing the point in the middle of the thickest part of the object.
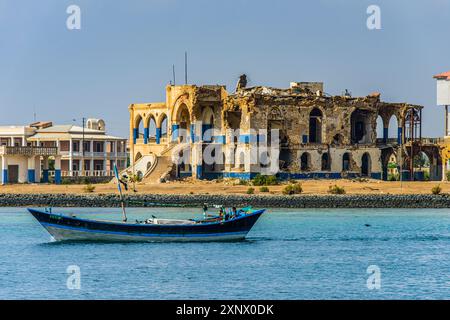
(185, 67)
(34, 113)
(173, 73)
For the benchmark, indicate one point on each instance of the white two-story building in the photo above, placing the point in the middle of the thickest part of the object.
(42, 150)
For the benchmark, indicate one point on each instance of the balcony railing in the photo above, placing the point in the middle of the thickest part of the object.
(85, 173)
(88, 154)
(29, 151)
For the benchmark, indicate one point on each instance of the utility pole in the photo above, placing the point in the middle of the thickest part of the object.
(173, 73)
(82, 139)
(185, 67)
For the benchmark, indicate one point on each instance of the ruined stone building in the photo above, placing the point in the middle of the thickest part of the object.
(319, 136)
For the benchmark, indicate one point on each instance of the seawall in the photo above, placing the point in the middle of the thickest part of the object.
(267, 201)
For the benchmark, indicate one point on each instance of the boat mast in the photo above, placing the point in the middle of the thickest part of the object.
(122, 202)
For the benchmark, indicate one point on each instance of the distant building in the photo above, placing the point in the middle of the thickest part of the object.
(41, 151)
(443, 99)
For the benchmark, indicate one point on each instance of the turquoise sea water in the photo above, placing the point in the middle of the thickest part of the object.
(290, 254)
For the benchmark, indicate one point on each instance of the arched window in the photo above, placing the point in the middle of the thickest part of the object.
(164, 126)
(360, 126)
(152, 128)
(305, 162)
(184, 119)
(326, 163)
(315, 126)
(138, 128)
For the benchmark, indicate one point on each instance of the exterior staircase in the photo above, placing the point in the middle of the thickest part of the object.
(153, 167)
(161, 167)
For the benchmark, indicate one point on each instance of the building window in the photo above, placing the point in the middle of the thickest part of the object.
(315, 126)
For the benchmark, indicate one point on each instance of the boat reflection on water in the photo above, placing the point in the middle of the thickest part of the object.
(216, 228)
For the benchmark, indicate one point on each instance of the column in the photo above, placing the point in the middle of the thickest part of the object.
(229, 157)
(399, 135)
(45, 170)
(105, 143)
(70, 157)
(146, 135)
(158, 135)
(197, 161)
(4, 170)
(24, 142)
(58, 169)
(82, 157)
(32, 169)
(91, 164)
(385, 134)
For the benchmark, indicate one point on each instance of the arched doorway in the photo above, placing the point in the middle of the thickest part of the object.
(184, 122)
(366, 165)
(207, 124)
(305, 161)
(346, 162)
(422, 166)
(326, 163)
(315, 126)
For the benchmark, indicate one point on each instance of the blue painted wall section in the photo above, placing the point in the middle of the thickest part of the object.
(305, 138)
(31, 176)
(158, 135)
(135, 134)
(58, 176)
(175, 128)
(286, 175)
(146, 135)
(199, 172)
(220, 139)
(45, 176)
(244, 138)
(5, 176)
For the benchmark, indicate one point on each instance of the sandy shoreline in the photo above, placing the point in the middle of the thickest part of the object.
(310, 187)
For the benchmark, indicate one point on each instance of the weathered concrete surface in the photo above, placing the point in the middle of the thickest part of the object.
(267, 201)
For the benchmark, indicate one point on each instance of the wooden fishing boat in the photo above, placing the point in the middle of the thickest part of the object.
(70, 228)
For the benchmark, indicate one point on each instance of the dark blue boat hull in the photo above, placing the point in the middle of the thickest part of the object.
(65, 228)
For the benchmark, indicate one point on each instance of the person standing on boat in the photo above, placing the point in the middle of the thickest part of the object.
(205, 210)
(233, 212)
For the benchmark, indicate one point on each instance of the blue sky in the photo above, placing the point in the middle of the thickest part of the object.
(125, 50)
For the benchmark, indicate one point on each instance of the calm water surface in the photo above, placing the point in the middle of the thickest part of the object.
(290, 254)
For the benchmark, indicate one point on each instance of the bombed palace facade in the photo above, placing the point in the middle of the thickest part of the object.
(317, 135)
